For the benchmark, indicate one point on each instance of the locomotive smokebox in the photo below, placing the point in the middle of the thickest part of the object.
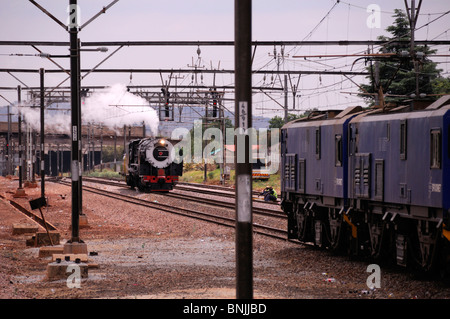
(152, 165)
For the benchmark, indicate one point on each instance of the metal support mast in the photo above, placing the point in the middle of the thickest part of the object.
(285, 99)
(76, 125)
(20, 191)
(8, 142)
(413, 14)
(42, 134)
(243, 121)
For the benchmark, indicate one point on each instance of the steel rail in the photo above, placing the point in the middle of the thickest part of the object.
(29, 214)
(213, 202)
(206, 189)
(221, 220)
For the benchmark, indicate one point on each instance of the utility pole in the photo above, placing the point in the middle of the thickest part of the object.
(75, 244)
(413, 14)
(89, 148)
(82, 218)
(34, 150)
(115, 150)
(58, 158)
(101, 148)
(19, 99)
(8, 141)
(205, 162)
(124, 140)
(20, 192)
(223, 127)
(42, 137)
(243, 121)
(92, 149)
(285, 99)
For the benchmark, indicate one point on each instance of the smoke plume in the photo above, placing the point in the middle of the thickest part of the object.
(113, 107)
(116, 107)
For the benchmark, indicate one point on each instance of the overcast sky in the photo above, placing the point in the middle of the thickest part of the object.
(212, 20)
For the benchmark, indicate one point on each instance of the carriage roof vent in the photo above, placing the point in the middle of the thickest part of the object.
(444, 100)
(349, 110)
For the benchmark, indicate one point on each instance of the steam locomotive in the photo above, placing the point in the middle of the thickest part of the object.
(372, 182)
(151, 165)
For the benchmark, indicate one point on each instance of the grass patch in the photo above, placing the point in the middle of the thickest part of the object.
(213, 178)
(106, 173)
(274, 181)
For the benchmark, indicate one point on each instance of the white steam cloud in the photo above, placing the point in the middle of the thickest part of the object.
(57, 121)
(113, 107)
(116, 107)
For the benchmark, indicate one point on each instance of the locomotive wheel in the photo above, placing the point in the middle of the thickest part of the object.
(304, 226)
(427, 237)
(140, 186)
(376, 229)
(300, 217)
(335, 229)
(130, 181)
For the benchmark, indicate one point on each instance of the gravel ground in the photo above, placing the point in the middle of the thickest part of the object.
(145, 253)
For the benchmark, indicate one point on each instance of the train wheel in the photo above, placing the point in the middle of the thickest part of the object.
(289, 209)
(376, 228)
(304, 224)
(427, 235)
(335, 230)
(139, 185)
(129, 181)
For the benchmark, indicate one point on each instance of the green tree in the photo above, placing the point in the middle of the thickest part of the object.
(108, 153)
(397, 74)
(278, 121)
(441, 85)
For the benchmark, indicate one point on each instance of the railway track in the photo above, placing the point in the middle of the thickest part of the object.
(275, 212)
(207, 217)
(38, 219)
(217, 189)
(223, 191)
(212, 202)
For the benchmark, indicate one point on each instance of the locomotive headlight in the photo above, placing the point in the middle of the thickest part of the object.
(162, 142)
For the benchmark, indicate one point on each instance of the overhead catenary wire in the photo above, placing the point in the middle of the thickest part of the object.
(270, 63)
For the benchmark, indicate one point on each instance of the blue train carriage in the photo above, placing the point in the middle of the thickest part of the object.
(313, 175)
(399, 185)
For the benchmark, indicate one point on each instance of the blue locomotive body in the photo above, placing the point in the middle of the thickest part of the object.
(371, 182)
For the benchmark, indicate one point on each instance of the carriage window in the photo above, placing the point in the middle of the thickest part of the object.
(338, 150)
(435, 148)
(403, 140)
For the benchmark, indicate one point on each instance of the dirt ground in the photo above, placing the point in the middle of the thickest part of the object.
(145, 253)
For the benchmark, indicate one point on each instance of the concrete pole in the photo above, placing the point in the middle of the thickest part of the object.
(243, 121)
